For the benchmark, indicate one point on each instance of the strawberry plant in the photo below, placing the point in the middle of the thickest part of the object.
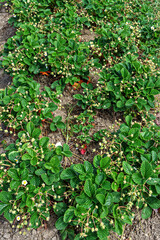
(23, 102)
(126, 174)
(30, 178)
(125, 87)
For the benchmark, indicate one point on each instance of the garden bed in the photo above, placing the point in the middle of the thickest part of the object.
(81, 128)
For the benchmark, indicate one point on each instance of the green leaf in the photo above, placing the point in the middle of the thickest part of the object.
(88, 167)
(13, 155)
(130, 102)
(34, 161)
(127, 219)
(79, 168)
(36, 132)
(118, 227)
(100, 198)
(60, 224)
(39, 172)
(115, 186)
(5, 197)
(69, 214)
(44, 142)
(13, 173)
(120, 104)
(88, 189)
(146, 169)
(20, 194)
(34, 220)
(127, 168)
(48, 179)
(31, 152)
(103, 233)
(30, 128)
(153, 181)
(99, 178)
(78, 96)
(60, 208)
(154, 156)
(120, 177)
(146, 212)
(68, 174)
(53, 127)
(104, 212)
(2, 207)
(14, 184)
(96, 161)
(60, 125)
(128, 120)
(105, 162)
(9, 216)
(137, 178)
(106, 185)
(29, 201)
(153, 202)
(26, 156)
(125, 73)
(108, 200)
(115, 196)
(66, 150)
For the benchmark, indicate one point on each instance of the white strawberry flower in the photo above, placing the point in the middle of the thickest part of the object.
(18, 218)
(58, 144)
(24, 182)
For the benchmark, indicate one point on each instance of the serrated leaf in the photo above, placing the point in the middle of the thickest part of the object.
(118, 227)
(153, 202)
(128, 120)
(105, 162)
(146, 169)
(26, 156)
(60, 224)
(101, 198)
(79, 168)
(137, 178)
(5, 197)
(146, 212)
(30, 128)
(88, 189)
(13, 173)
(2, 207)
(103, 233)
(68, 174)
(39, 172)
(88, 167)
(69, 214)
(44, 142)
(106, 185)
(99, 178)
(127, 168)
(36, 132)
(13, 155)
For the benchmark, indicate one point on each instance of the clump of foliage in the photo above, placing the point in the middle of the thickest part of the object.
(100, 197)
(23, 102)
(30, 178)
(125, 86)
